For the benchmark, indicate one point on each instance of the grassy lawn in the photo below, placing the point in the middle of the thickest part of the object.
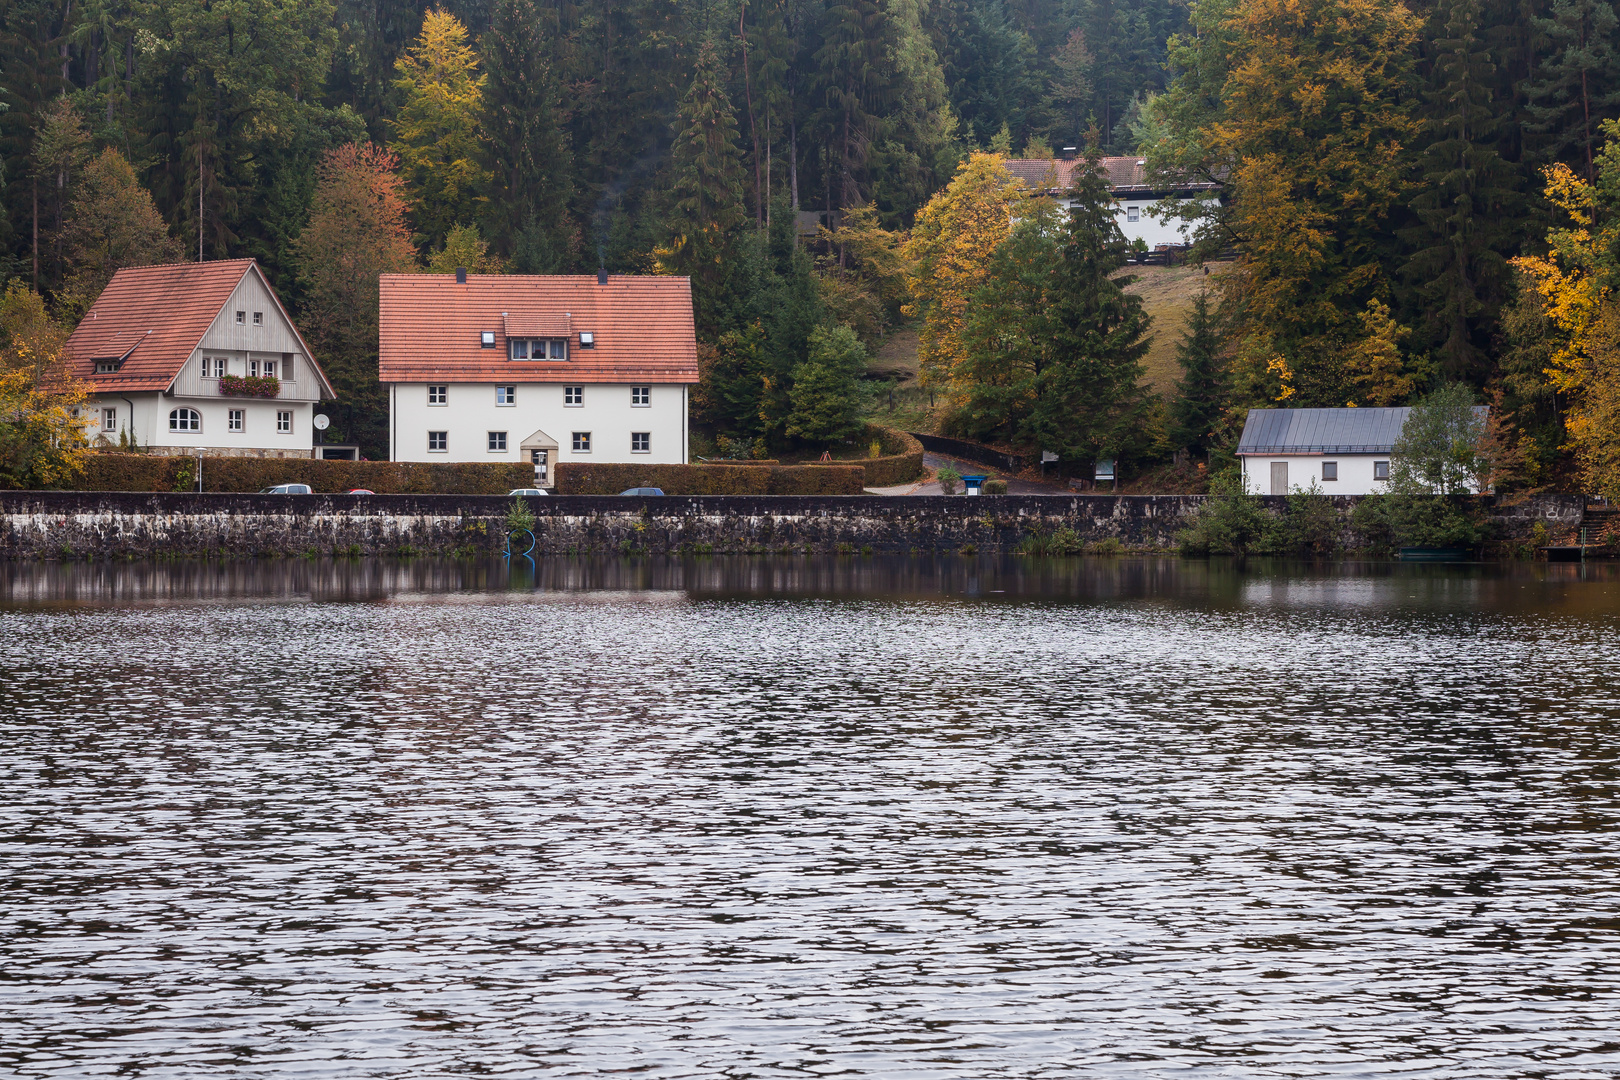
(1167, 294)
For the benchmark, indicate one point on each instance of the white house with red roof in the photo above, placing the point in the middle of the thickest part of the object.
(197, 359)
(543, 369)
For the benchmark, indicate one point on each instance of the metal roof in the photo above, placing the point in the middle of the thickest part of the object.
(1325, 431)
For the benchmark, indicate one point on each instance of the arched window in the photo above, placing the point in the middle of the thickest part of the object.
(185, 420)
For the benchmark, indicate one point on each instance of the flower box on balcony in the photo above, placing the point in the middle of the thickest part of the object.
(249, 386)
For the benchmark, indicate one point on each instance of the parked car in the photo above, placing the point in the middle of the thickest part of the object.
(359, 491)
(642, 491)
(527, 492)
(288, 489)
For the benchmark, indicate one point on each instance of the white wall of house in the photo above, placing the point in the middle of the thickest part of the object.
(147, 415)
(1355, 473)
(1149, 229)
(471, 411)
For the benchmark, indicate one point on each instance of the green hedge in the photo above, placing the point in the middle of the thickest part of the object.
(902, 459)
(144, 472)
(583, 478)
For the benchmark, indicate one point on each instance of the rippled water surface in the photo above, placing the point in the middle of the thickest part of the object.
(788, 818)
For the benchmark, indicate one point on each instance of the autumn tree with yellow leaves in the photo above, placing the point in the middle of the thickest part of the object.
(948, 260)
(437, 132)
(43, 426)
(1577, 280)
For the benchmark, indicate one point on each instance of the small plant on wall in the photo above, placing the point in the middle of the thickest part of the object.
(249, 386)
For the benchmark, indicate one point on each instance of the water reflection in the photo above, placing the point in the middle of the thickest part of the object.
(770, 817)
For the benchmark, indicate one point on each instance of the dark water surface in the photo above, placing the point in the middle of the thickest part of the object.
(799, 818)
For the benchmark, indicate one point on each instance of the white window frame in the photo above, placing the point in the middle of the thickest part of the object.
(582, 442)
(236, 420)
(444, 442)
(269, 369)
(641, 397)
(492, 437)
(646, 442)
(241, 317)
(258, 318)
(513, 345)
(1133, 213)
(176, 421)
(573, 397)
(284, 422)
(506, 396)
(109, 419)
(441, 392)
(551, 346)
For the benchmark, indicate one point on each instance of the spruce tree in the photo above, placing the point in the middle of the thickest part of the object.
(1466, 198)
(526, 142)
(1201, 391)
(1579, 85)
(1089, 401)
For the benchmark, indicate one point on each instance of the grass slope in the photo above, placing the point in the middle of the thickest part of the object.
(1167, 294)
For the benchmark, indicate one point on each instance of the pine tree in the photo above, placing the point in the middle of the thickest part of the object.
(527, 143)
(1579, 85)
(856, 88)
(1201, 392)
(706, 189)
(826, 393)
(1466, 200)
(1091, 401)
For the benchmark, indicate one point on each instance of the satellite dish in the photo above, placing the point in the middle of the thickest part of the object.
(321, 422)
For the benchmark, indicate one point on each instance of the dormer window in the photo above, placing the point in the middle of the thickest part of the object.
(108, 367)
(486, 339)
(587, 340)
(538, 348)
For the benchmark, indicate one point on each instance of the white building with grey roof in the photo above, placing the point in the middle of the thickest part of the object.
(1343, 451)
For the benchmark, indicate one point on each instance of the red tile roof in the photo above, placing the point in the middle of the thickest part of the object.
(642, 326)
(1126, 175)
(154, 317)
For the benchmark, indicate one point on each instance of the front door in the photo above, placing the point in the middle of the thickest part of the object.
(1279, 477)
(542, 467)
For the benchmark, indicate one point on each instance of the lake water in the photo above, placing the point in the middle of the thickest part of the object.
(804, 818)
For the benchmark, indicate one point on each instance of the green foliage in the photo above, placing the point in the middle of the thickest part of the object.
(150, 472)
(948, 479)
(1201, 392)
(1311, 521)
(1387, 522)
(1230, 521)
(1060, 541)
(995, 487)
(519, 516)
(827, 394)
(1441, 447)
(583, 478)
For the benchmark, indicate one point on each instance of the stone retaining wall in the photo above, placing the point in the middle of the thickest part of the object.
(56, 525)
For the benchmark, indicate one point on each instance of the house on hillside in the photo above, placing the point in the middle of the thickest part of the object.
(197, 359)
(511, 367)
(1343, 451)
(1131, 187)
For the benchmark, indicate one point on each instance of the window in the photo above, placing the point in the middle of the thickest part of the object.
(640, 396)
(438, 442)
(269, 369)
(497, 442)
(641, 442)
(284, 423)
(438, 395)
(587, 340)
(486, 339)
(506, 395)
(520, 348)
(1330, 470)
(106, 367)
(559, 348)
(1380, 470)
(253, 368)
(582, 442)
(213, 367)
(237, 421)
(539, 348)
(1133, 213)
(573, 395)
(109, 419)
(185, 420)
(241, 317)
(258, 318)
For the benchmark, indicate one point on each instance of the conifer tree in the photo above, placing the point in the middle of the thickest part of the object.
(1466, 199)
(527, 142)
(112, 224)
(1201, 392)
(1579, 83)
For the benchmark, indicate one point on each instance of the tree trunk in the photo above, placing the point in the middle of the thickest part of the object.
(36, 233)
(753, 130)
(793, 162)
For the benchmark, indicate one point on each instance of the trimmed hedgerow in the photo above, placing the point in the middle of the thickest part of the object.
(901, 460)
(143, 472)
(585, 478)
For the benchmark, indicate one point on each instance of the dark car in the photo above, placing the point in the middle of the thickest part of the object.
(642, 491)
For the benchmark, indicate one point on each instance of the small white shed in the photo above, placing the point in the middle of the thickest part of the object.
(1344, 451)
